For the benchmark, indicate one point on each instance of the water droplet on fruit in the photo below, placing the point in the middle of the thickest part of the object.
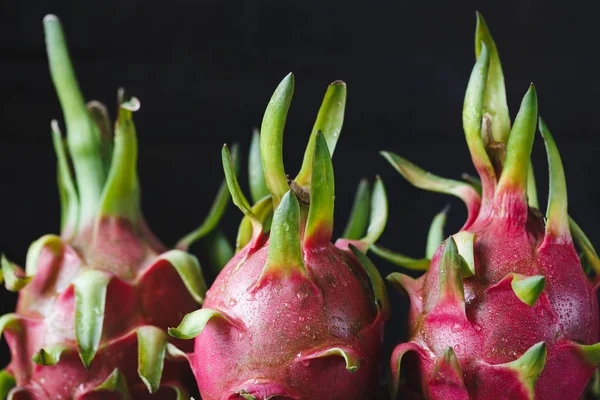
(286, 226)
(232, 302)
(477, 327)
(456, 328)
(457, 348)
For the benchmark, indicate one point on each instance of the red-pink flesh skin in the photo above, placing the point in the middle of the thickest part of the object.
(47, 310)
(498, 328)
(284, 319)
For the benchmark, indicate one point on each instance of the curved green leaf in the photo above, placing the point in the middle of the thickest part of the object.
(271, 140)
(379, 213)
(69, 201)
(329, 121)
(377, 283)
(400, 259)
(256, 175)
(90, 300)
(152, 346)
(359, 216)
(435, 236)
(351, 356)
(319, 225)
(83, 136)
(121, 197)
(189, 270)
(7, 382)
(193, 323)
(14, 277)
(49, 355)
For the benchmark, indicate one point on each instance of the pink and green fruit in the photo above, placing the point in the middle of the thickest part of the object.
(95, 302)
(505, 309)
(293, 316)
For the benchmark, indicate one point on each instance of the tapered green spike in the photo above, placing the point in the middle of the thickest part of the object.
(49, 355)
(10, 322)
(400, 259)
(115, 382)
(532, 196)
(520, 143)
(435, 236)
(351, 356)
(271, 140)
(359, 216)
(247, 396)
(428, 181)
(529, 366)
(193, 323)
(557, 217)
(256, 175)
(121, 196)
(216, 211)
(52, 242)
(447, 376)
(90, 300)
(7, 382)
(494, 102)
(472, 116)
(379, 214)
(189, 270)
(329, 121)
(14, 277)
(237, 196)
(285, 246)
(152, 346)
(319, 225)
(528, 288)
(377, 283)
(590, 353)
(83, 136)
(99, 115)
(465, 242)
(69, 201)
(451, 283)
(584, 244)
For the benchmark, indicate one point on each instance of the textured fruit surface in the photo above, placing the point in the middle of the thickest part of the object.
(505, 309)
(293, 316)
(95, 302)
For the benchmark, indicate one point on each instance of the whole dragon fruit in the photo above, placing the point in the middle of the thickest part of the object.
(505, 310)
(94, 303)
(293, 316)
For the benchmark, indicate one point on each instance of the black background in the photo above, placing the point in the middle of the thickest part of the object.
(204, 71)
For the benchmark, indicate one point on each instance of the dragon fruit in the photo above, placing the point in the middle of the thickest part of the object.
(95, 303)
(505, 310)
(293, 316)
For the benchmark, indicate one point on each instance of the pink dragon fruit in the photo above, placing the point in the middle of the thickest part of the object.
(505, 310)
(293, 316)
(94, 303)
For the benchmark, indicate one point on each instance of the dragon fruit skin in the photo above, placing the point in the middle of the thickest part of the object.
(95, 303)
(293, 316)
(505, 310)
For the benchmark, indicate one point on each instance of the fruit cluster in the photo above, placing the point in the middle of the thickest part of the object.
(505, 308)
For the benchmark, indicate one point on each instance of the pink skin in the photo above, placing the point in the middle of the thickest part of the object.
(46, 309)
(277, 326)
(498, 328)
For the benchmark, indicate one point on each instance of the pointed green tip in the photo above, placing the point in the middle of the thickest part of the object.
(14, 277)
(319, 225)
(237, 195)
(285, 247)
(435, 236)
(271, 141)
(520, 143)
(194, 323)
(378, 213)
(330, 120)
(557, 218)
(121, 197)
(531, 364)
(451, 283)
(528, 289)
(359, 216)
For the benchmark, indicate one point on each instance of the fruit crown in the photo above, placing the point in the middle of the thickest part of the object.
(506, 186)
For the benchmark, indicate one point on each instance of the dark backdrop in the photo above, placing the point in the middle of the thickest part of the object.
(204, 71)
